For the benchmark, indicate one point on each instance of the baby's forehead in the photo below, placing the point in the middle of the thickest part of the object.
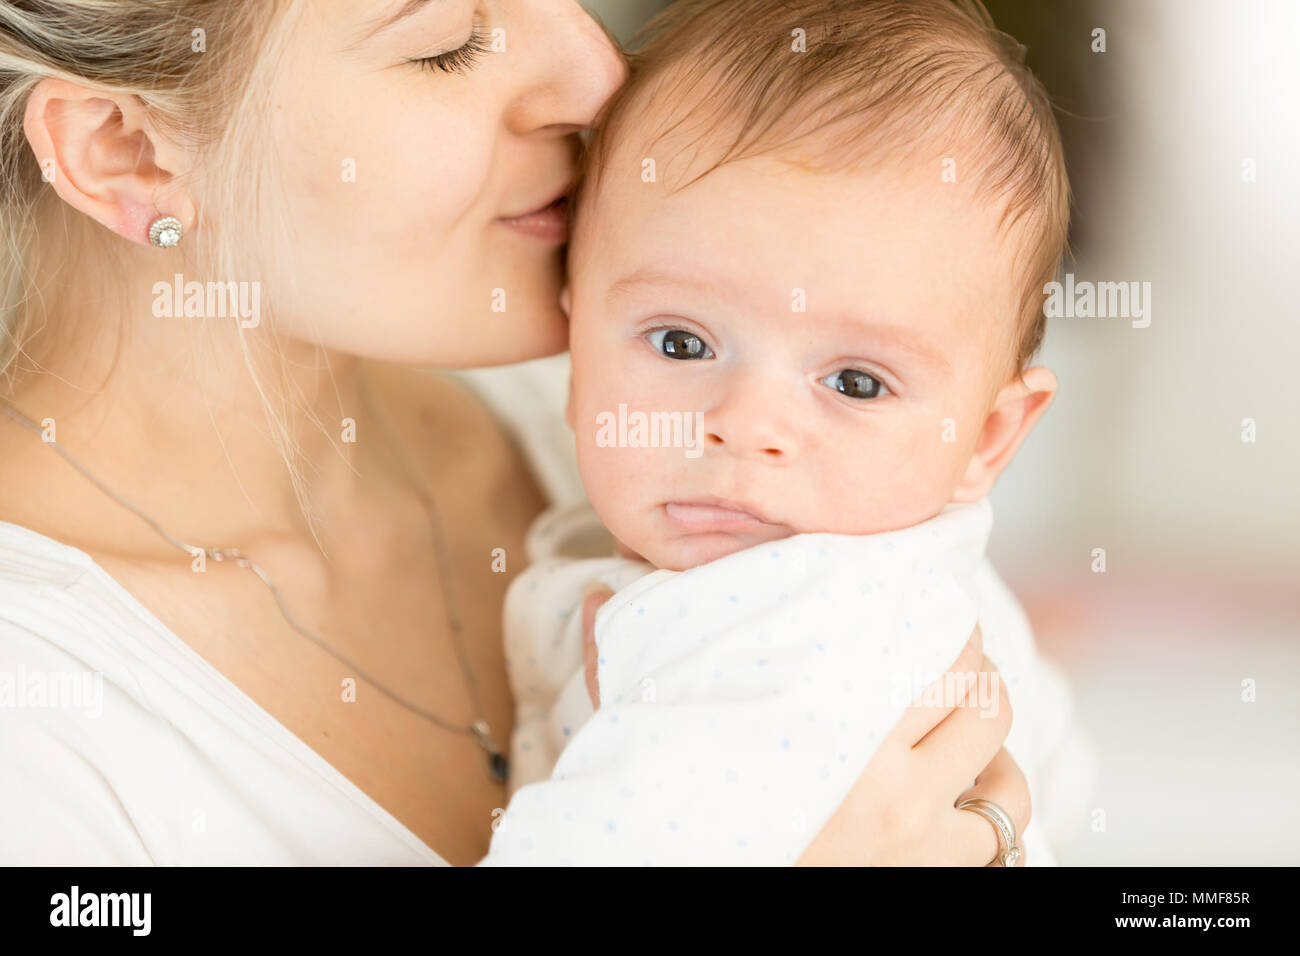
(670, 183)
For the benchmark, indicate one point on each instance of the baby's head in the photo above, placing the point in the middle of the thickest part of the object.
(817, 230)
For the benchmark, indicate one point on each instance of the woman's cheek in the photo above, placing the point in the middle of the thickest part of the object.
(433, 194)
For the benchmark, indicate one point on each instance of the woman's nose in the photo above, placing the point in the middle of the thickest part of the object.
(575, 66)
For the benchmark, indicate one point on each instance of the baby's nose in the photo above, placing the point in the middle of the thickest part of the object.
(749, 432)
(768, 448)
(754, 415)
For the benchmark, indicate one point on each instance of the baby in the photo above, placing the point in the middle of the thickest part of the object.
(805, 267)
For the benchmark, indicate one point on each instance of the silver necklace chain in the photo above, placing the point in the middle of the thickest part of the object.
(498, 765)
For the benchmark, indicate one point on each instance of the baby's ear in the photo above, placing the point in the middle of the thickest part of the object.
(566, 300)
(1016, 410)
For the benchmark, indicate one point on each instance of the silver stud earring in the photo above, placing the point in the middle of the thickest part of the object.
(165, 232)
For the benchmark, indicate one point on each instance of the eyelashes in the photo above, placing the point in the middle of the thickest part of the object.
(683, 345)
(460, 60)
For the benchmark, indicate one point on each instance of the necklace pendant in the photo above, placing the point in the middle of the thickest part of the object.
(499, 767)
(498, 764)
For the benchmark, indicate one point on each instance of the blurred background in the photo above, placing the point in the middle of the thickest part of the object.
(1181, 139)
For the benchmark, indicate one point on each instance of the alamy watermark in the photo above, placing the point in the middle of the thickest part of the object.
(977, 689)
(1098, 300)
(132, 911)
(208, 300)
(651, 430)
(58, 690)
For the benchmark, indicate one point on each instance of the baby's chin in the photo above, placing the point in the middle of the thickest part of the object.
(683, 552)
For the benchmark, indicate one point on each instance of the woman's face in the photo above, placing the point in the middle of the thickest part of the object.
(399, 177)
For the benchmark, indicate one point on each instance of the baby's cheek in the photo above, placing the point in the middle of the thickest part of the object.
(894, 481)
(614, 484)
(929, 469)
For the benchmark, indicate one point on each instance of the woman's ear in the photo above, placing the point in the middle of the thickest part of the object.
(105, 158)
(1016, 409)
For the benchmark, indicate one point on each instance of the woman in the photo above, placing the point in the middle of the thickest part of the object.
(377, 184)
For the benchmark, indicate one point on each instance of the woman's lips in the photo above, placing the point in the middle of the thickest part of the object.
(550, 223)
(711, 516)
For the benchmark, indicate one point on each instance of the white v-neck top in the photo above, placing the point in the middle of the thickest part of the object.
(120, 745)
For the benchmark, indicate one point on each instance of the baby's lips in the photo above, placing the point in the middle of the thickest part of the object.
(703, 516)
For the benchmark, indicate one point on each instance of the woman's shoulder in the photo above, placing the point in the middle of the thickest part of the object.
(57, 658)
(64, 620)
(42, 608)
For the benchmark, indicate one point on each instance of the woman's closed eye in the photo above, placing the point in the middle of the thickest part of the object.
(856, 383)
(679, 344)
(459, 60)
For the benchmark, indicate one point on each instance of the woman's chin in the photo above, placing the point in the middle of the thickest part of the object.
(521, 337)
(535, 331)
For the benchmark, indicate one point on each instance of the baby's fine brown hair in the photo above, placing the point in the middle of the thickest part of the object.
(840, 84)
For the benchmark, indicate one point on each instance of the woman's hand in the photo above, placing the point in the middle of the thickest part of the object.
(902, 812)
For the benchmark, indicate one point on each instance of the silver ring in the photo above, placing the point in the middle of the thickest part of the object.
(1009, 851)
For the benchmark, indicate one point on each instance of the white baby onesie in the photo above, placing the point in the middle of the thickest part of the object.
(741, 700)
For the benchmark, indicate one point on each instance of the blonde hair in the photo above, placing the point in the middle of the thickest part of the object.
(880, 80)
(199, 68)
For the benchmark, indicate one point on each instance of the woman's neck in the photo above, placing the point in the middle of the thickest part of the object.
(166, 412)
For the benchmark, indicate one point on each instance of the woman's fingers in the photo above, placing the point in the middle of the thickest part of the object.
(902, 810)
(1001, 782)
(592, 599)
(967, 739)
(933, 706)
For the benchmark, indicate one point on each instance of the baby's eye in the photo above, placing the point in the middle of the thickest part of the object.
(680, 344)
(856, 384)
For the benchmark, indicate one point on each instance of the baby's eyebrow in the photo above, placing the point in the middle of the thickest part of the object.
(884, 335)
(649, 277)
(901, 339)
